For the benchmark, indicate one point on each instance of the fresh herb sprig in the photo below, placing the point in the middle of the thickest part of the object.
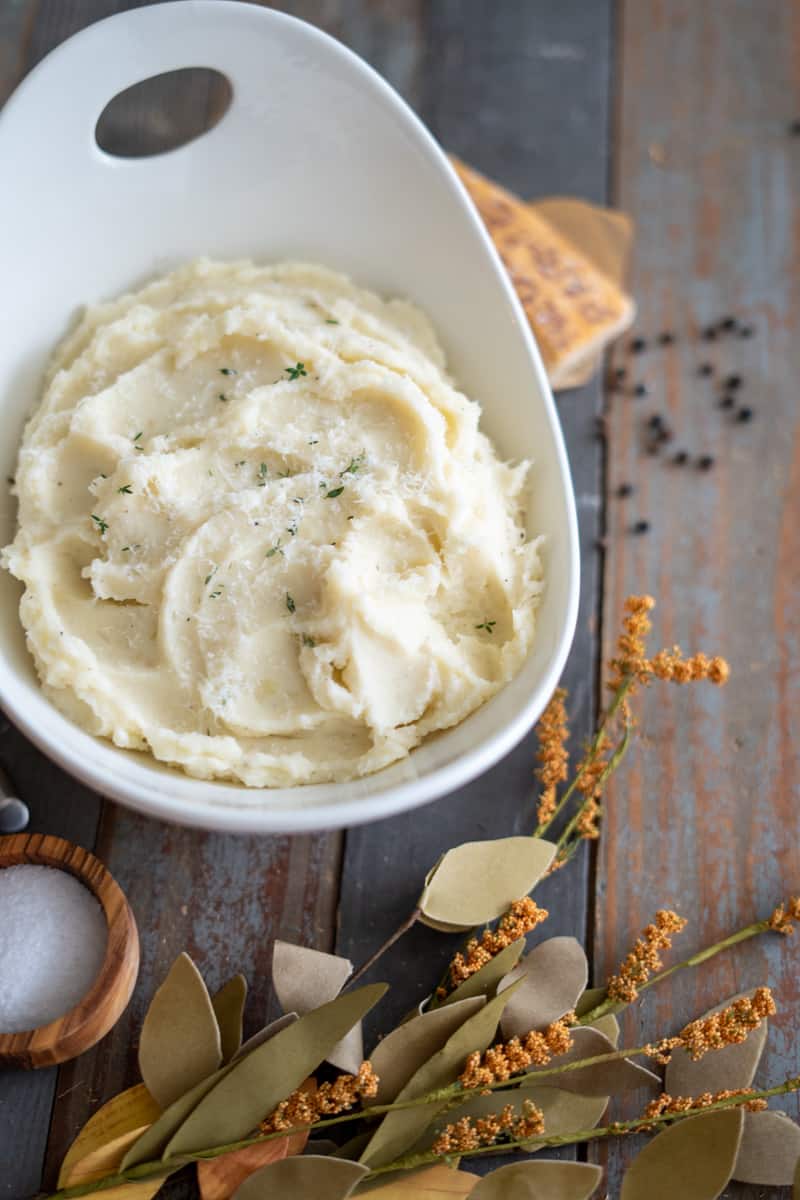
(296, 371)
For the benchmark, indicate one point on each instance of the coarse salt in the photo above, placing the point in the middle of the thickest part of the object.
(53, 936)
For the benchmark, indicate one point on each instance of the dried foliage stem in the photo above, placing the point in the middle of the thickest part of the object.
(451, 1095)
(410, 921)
(594, 750)
(616, 1129)
(570, 837)
(694, 960)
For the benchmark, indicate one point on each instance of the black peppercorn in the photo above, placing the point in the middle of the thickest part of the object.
(727, 401)
(625, 489)
(705, 462)
(705, 368)
(709, 334)
(746, 331)
(640, 389)
(666, 338)
(680, 458)
(794, 129)
(655, 422)
(641, 526)
(620, 373)
(733, 382)
(637, 345)
(744, 415)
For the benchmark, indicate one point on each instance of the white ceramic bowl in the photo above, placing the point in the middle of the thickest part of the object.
(316, 158)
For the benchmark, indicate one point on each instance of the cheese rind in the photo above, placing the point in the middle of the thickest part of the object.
(573, 308)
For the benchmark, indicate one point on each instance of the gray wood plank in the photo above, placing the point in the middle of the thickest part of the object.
(491, 87)
(16, 22)
(707, 817)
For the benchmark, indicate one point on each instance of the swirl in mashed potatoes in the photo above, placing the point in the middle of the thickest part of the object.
(260, 533)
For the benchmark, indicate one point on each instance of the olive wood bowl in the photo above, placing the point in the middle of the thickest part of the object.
(101, 1007)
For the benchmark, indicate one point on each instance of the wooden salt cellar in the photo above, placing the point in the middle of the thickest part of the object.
(104, 1003)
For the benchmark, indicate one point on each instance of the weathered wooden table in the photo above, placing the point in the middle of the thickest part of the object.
(679, 112)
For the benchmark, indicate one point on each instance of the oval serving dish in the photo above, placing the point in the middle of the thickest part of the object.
(316, 158)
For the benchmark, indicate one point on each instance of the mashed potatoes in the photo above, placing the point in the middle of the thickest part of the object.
(260, 534)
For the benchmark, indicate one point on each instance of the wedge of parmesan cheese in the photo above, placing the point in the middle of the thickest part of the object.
(573, 308)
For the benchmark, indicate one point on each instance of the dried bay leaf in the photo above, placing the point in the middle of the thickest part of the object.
(477, 881)
(589, 1000)
(180, 1040)
(401, 1129)
(693, 1159)
(266, 1033)
(309, 1178)
(726, 1069)
(484, 982)
(105, 1160)
(153, 1142)
(565, 1112)
(428, 1184)
(218, 1178)
(303, 980)
(769, 1151)
(137, 1189)
(228, 1004)
(553, 976)
(131, 1110)
(406, 1048)
(601, 1079)
(608, 1026)
(545, 1179)
(253, 1086)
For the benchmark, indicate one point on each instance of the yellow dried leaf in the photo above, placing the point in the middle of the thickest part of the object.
(101, 1162)
(139, 1189)
(437, 1181)
(130, 1110)
(478, 881)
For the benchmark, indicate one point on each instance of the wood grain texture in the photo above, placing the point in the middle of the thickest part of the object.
(707, 817)
(90, 1020)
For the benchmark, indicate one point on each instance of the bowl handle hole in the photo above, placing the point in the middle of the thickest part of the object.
(163, 112)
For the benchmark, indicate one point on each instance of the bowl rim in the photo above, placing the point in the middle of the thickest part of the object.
(101, 1006)
(72, 750)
